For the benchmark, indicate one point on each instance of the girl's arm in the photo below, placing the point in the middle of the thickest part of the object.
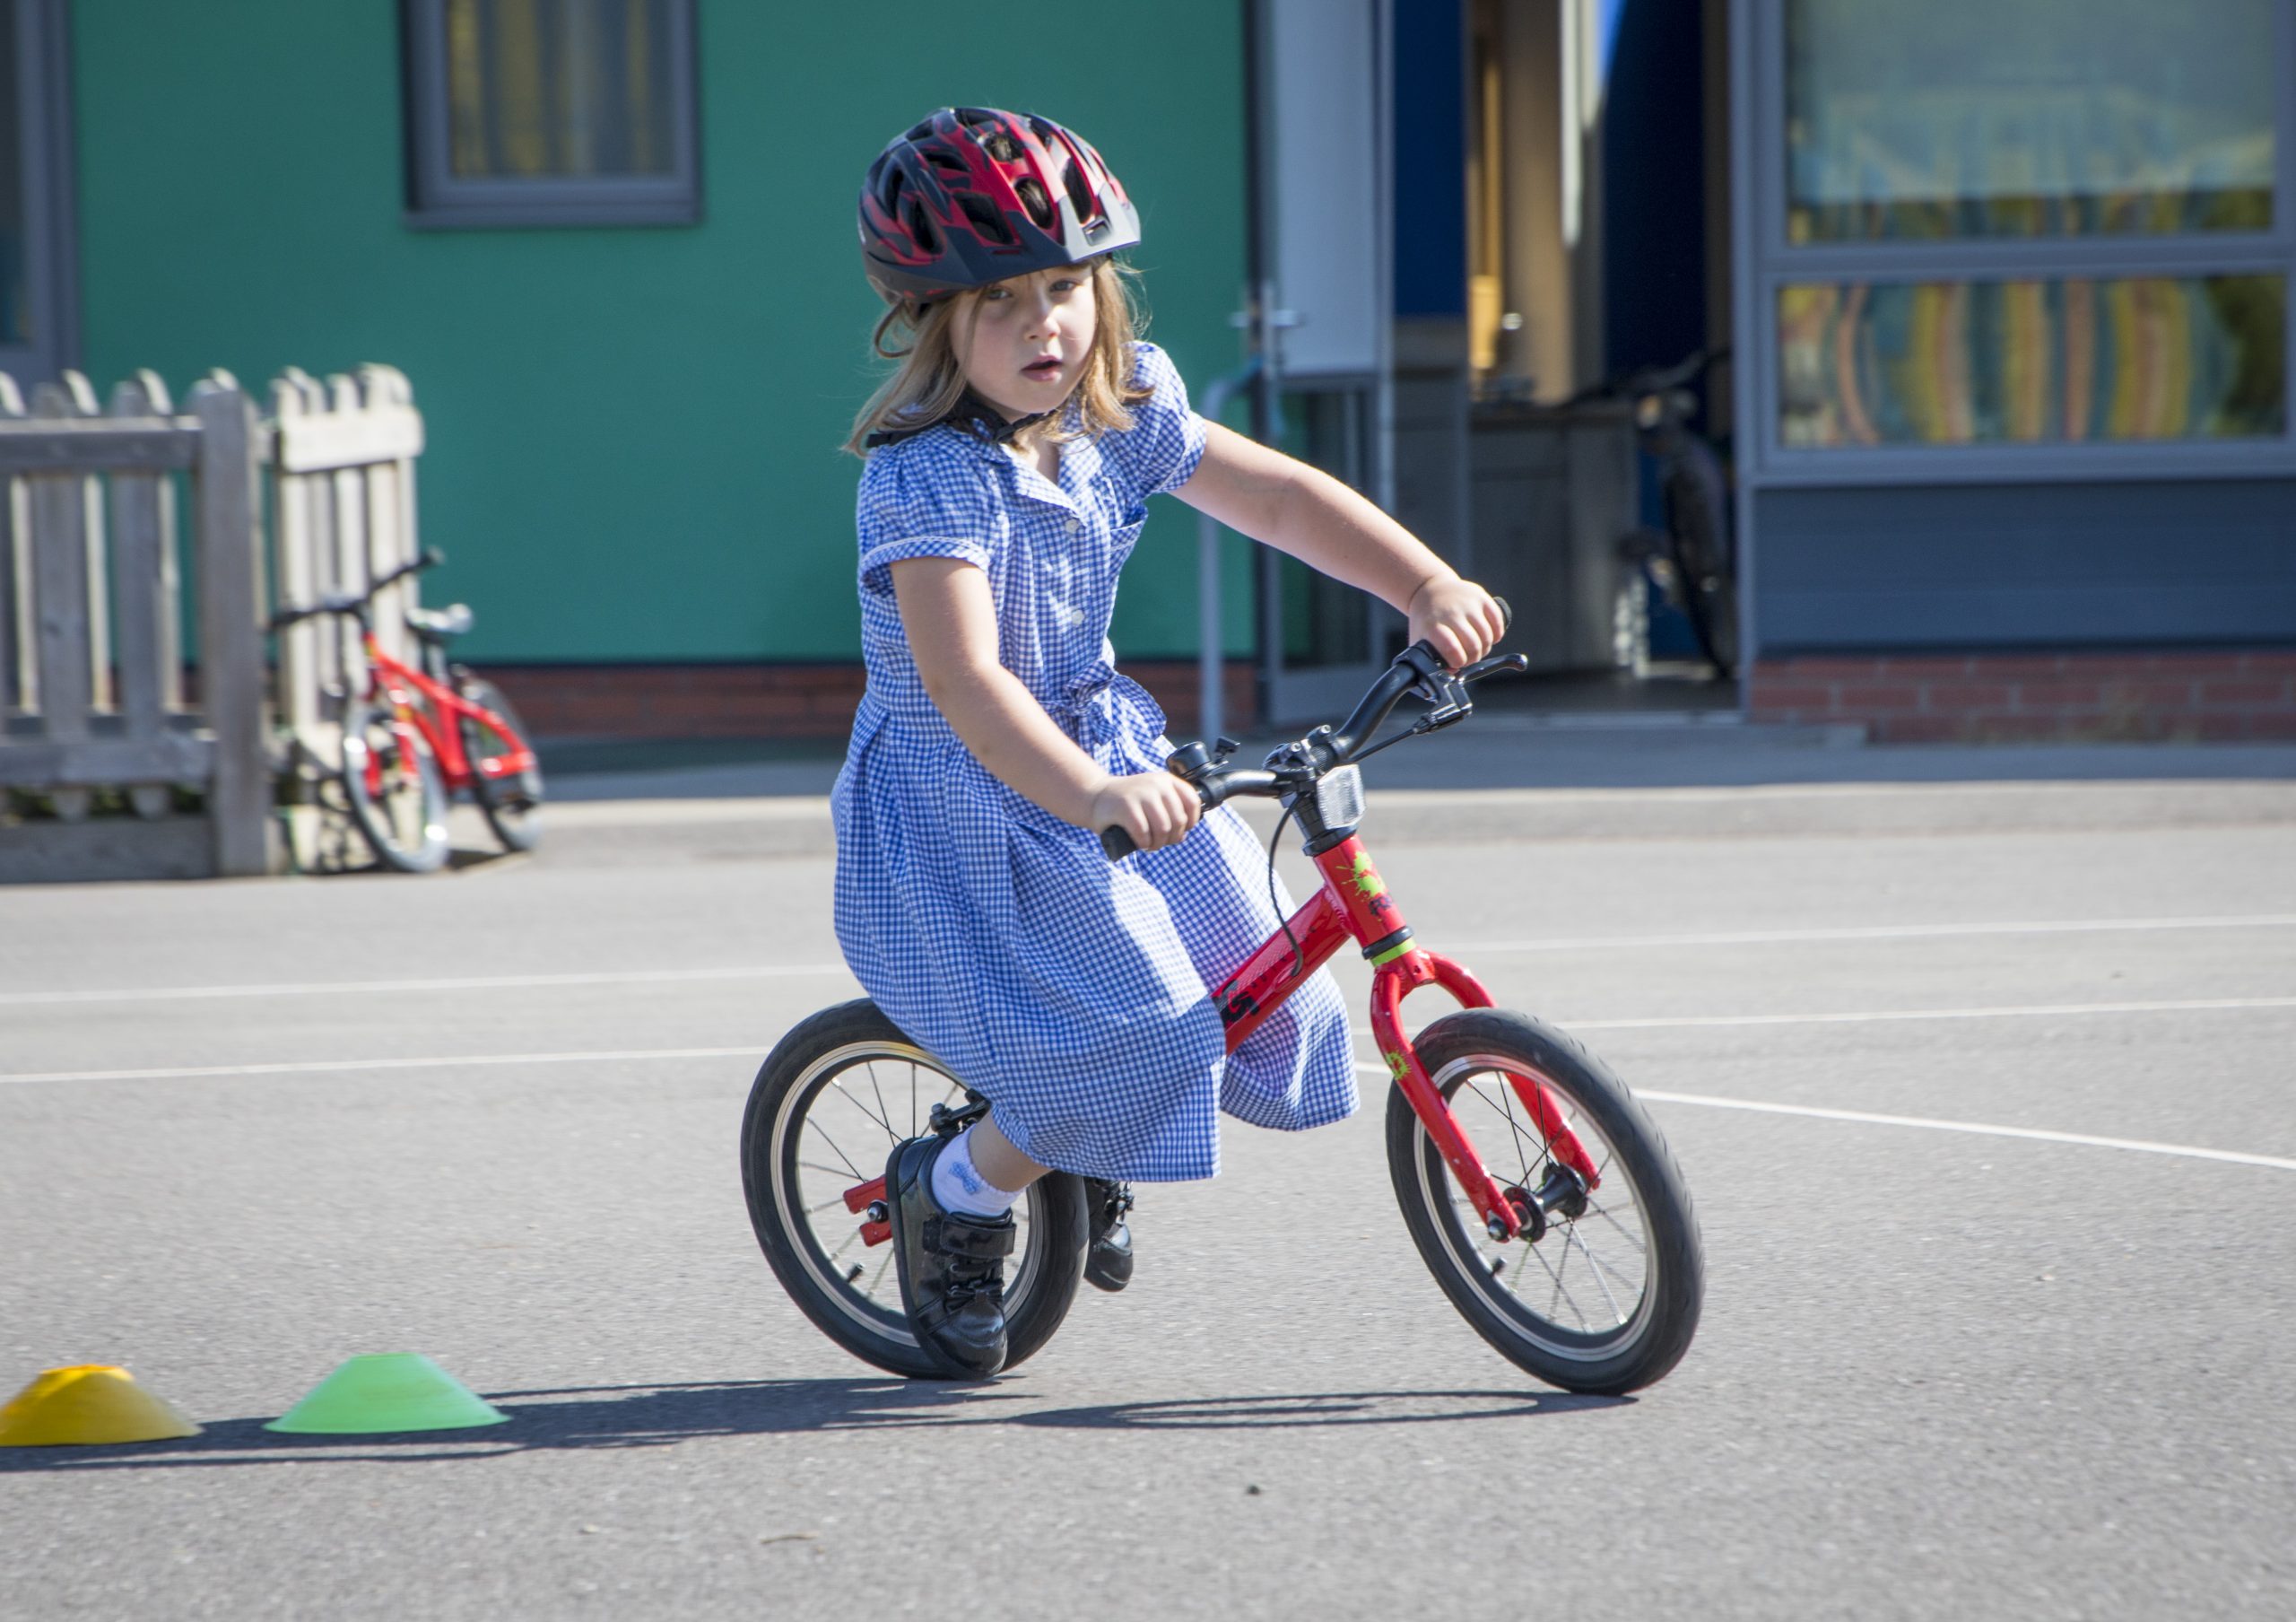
(951, 620)
(1302, 511)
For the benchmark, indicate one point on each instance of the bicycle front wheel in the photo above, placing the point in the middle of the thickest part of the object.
(510, 801)
(397, 798)
(1608, 1299)
(830, 1104)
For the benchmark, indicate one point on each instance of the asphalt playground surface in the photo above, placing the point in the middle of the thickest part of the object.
(1979, 1066)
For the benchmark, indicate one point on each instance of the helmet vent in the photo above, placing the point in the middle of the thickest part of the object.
(945, 160)
(984, 218)
(921, 227)
(889, 196)
(1079, 193)
(975, 116)
(1003, 148)
(920, 132)
(1040, 207)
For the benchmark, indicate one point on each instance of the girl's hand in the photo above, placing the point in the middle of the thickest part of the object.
(1155, 807)
(1458, 617)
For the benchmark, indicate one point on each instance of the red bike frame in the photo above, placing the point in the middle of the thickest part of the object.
(1353, 904)
(432, 707)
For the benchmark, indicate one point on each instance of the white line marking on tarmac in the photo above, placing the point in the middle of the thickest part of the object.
(310, 1066)
(459, 982)
(1691, 1022)
(1756, 937)
(1590, 942)
(1867, 1117)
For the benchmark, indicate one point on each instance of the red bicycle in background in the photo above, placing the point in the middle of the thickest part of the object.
(412, 739)
(1539, 1194)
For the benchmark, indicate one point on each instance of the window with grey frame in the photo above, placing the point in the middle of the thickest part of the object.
(550, 112)
(1995, 237)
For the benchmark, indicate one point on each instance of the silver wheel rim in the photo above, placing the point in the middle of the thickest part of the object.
(846, 1112)
(1584, 1293)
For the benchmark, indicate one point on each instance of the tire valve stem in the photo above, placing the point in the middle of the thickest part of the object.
(853, 1273)
(877, 1212)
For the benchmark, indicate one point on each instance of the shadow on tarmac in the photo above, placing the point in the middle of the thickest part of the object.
(659, 1416)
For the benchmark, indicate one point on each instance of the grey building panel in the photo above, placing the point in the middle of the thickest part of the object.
(2175, 562)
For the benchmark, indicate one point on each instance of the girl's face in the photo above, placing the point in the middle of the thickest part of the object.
(1025, 342)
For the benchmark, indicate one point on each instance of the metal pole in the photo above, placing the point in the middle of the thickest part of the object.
(1211, 659)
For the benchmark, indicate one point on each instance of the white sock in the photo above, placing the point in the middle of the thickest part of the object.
(959, 1186)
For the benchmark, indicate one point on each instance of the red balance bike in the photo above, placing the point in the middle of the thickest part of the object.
(412, 739)
(1542, 1197)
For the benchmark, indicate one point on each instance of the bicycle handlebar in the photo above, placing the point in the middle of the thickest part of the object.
(355, 602)
(1418, 667)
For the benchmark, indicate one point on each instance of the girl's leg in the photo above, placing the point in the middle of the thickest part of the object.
(1004, 1166)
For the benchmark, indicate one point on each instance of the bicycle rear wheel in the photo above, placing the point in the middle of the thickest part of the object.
(396, 796)
(1608, 1299)
(511, 802)
(830, 1102)
(1698, 544)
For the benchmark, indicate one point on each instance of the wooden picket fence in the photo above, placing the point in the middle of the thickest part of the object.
(342, 514)
(123, 773)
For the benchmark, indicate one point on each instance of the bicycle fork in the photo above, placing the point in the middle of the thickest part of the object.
(1354, 904)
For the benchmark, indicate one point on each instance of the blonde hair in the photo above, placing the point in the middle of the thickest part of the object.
(927, 381)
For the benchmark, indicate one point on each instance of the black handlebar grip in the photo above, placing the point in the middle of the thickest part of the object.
(1117, 843)
(1505, 615)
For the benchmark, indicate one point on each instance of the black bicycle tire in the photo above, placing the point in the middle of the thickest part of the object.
(360, 721)
(1660, 1333)
(514, 818)
(1056, 1209)
(1702, 565)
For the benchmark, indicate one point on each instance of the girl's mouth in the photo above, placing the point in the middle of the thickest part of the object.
(1041, 371)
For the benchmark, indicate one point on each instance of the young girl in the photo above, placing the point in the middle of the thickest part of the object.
(1010, 459)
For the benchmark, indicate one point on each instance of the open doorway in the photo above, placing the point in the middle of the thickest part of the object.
(1597, 180)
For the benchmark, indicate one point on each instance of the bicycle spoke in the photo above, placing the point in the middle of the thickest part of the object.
(1561, 1294)
(838, 1084)
(1636, 1290)
(884, 1114)
(1625, 1232)
(858, 1174)
(878, 1283)
(850, 1239)
(1594, 1265)
(1506, 1108)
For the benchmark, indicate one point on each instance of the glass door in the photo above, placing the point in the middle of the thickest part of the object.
(1322, 642)
(1324, 251)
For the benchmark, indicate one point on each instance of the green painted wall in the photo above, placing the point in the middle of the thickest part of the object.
(632, 433)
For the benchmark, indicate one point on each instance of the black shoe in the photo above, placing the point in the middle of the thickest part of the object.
(952, 1266)
(1108, 1260)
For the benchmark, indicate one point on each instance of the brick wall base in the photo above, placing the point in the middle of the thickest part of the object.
(2010, 697)
(769, 700)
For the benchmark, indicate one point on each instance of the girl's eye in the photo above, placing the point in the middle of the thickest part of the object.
(992, 294)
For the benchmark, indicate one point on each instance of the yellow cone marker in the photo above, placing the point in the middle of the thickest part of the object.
(88, 1405)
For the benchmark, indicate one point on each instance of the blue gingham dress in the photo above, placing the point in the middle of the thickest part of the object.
(1068, 989)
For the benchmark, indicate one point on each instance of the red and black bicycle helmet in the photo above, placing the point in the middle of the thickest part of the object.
(972, 195)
